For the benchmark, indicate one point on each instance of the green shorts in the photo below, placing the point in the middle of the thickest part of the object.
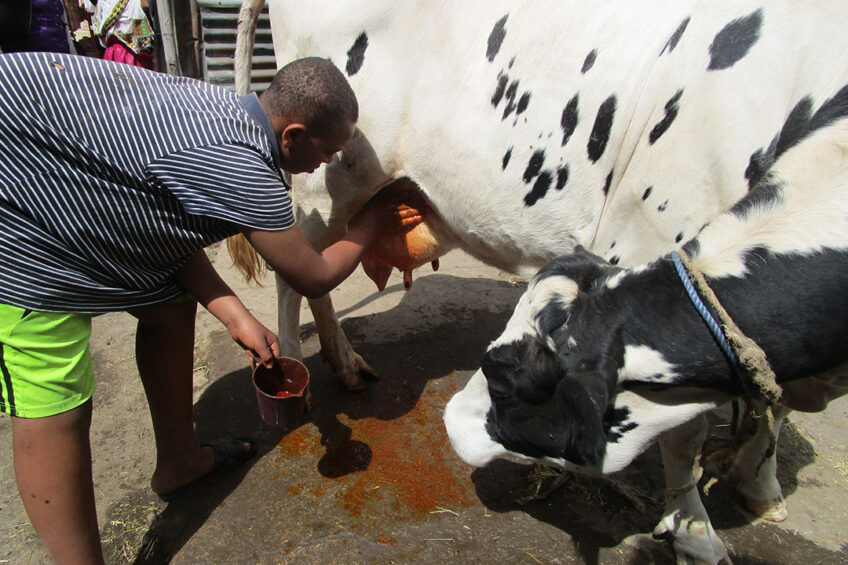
(45, 363)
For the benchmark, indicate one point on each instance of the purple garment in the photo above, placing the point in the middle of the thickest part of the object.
(47, 30)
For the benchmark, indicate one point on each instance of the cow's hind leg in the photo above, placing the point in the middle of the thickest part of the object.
(685, 519)
(755, 465)
(346, 364)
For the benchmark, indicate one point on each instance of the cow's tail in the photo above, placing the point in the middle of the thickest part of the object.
(244, 256)
(245, 36)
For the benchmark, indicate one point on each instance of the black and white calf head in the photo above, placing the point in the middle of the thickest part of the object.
(549, 397)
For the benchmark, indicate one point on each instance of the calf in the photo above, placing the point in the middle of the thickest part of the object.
(598, 362)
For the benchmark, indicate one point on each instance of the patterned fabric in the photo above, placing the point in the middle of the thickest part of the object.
(120, 53)
(111, 176)
(123, 20)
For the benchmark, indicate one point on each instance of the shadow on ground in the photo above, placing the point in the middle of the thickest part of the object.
(371, 474)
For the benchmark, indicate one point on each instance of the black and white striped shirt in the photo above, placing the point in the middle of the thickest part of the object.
(111, 176)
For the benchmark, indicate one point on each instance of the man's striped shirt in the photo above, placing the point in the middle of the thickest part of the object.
(111, 176)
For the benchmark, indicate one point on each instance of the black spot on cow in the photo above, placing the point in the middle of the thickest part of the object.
(796, 125)
(569, 119)
(496, 39)
(647, 192)
(562, 177)
(356, 54)
(675, 37)
(692, 247)
(678, 238)
(662, 207)
(510, 93)
(612, 244)
(734, 41)
(760, 162)
(534, 165)
(589, 61)
(522, 103)
(540, 188)
(500, 88)
(616, 424)
(614, 260)
(601, 130)
(607, 183)
(671, 109)
(511, 63)
(800, 123)
(506, 158)
(761, 196)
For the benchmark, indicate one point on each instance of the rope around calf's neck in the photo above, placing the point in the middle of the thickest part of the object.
(747, 357)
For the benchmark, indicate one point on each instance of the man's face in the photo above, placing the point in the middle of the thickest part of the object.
(303, 153)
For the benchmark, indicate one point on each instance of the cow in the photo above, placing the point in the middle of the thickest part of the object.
(531, 128)
(534, 127)
(597, 362)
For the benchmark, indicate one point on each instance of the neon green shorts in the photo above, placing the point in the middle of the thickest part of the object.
(45, 363)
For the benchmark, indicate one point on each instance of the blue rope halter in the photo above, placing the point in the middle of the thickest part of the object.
(708, 318)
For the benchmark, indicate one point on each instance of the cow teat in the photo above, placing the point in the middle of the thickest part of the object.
(407, 249)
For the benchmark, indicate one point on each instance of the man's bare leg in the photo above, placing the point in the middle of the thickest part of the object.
(53, 471)
(164, 350)
(165, 357)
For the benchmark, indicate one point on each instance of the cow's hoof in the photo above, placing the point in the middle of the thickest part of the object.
(363, 368)
(354, 381)
(351, 381)
(772, 510)
(694, 541)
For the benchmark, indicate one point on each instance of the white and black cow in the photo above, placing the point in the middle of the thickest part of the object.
(534, 127)
(597, 362)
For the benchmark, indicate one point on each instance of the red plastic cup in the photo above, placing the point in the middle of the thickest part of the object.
(280, 391)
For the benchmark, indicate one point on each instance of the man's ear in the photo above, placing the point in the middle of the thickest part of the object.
(292, 133)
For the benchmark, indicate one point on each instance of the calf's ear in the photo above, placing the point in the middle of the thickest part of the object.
(582, 401)
(499, 365)
(582, 267)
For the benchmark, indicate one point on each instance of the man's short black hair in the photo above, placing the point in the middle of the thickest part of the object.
(313, 91)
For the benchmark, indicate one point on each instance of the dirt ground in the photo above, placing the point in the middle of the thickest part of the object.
(371, 478)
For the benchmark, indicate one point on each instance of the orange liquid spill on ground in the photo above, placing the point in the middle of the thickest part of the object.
(412, 464)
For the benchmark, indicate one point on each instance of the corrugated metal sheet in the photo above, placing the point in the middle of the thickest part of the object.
(219, 19)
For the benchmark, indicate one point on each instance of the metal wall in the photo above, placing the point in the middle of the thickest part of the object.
(218, 20)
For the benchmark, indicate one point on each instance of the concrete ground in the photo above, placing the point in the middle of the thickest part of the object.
(370, 477)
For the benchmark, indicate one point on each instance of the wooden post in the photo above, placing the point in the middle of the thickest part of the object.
(165, 16)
